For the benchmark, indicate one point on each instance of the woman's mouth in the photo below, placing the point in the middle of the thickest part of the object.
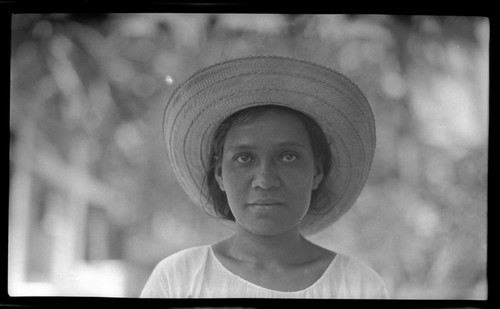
(266, 203)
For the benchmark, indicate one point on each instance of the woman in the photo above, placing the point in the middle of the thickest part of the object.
(280, 147)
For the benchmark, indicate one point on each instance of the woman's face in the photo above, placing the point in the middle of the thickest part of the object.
(268, 173)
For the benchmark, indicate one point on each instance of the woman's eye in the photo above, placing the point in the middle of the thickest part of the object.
(289, 157)
(243, 158)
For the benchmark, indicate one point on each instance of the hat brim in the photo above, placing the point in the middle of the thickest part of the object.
(199, 105)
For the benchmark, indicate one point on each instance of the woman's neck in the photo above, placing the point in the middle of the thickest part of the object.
(285, 248)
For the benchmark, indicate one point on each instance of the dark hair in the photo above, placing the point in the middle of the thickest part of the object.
(319, 144)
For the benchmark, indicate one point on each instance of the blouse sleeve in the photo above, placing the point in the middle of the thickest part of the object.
(157, 285)
(379, 291)
(358, 280)
(372, 285)
(178, 275)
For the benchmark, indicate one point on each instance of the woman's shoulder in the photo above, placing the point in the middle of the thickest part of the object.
(173, 275)
(354, 270)
(355, 279)
(182, 265)
(355, 267)
(185, 257)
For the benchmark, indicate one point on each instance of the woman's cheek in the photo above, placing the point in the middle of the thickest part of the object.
(234, 182)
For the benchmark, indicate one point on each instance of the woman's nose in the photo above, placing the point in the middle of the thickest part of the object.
(266, 177)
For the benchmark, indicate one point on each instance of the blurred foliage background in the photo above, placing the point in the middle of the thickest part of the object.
(94, 203)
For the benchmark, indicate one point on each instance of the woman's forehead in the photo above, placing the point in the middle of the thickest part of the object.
(276, 128)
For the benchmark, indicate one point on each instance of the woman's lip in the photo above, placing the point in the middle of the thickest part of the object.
(266, 207)
(265, 204)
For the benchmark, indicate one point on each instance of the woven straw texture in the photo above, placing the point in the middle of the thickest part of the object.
(203, 101)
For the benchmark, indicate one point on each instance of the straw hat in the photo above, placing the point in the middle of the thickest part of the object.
(203, 101)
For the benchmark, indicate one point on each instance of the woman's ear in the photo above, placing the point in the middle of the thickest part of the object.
(318, 176)
(218, 176)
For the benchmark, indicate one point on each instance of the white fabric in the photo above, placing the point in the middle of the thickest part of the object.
(196, 272)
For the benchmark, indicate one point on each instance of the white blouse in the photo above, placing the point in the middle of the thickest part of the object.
(196, 272)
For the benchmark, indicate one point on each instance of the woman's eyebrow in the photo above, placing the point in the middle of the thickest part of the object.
(241, 147)
(291, 144)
